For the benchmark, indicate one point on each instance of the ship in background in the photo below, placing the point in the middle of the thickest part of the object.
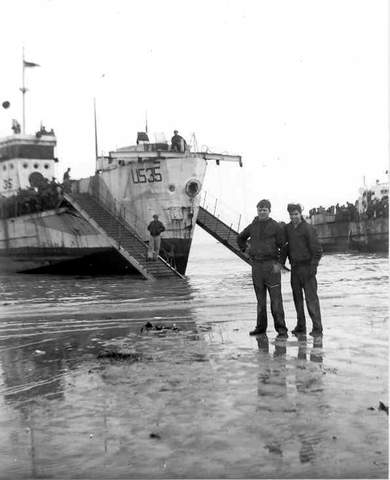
(361, 226)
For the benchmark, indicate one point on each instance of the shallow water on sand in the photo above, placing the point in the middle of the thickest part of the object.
(203, 399)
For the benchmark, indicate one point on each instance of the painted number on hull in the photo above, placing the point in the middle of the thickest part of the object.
(146, 175)
(7, 183)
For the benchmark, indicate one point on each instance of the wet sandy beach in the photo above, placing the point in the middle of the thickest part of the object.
(201, 399)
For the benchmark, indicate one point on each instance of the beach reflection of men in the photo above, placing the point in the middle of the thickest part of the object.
(273, 375)
(266, 240)
(304, 252)
(272, 388)
(307, 381)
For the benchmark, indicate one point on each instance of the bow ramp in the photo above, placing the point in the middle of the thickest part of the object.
(220, 231)
(121, 236)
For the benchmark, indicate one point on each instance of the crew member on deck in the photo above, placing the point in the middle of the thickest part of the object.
(178, 142)
(66, 180)
(155, 228)
(66, 175)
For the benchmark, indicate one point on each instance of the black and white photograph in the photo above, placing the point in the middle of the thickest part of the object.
(194, 239)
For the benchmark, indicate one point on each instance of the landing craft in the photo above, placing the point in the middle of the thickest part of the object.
(98, 224)
(361, 226)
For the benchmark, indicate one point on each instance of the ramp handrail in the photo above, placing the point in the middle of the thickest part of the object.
(125, 225)
(225, 213)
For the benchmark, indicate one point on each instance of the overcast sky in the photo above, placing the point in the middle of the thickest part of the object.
(299, 88)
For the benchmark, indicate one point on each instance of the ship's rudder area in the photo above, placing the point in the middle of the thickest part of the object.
(123, 239)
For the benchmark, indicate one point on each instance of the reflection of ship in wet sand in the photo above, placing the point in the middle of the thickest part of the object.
(48, 361)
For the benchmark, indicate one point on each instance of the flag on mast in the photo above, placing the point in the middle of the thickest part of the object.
(30, 64)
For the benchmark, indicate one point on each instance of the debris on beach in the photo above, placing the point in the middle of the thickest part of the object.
(205, 328)
(274, 448)
(159, 327)
(383, 407)
(39, 352)
(234, 356)
(115, 355)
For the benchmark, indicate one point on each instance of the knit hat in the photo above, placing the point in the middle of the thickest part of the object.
(292, 207)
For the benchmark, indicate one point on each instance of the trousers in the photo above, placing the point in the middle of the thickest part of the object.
(265, 279)
(302, 280)
(154, 245)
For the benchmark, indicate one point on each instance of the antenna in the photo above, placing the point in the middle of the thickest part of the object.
(146, 121)
(96, 141)
(23, 90)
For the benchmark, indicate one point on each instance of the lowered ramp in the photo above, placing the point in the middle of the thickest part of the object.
(121, 236)
(220, 231)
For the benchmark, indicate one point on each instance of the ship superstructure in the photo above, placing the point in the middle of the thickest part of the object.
(25, 160)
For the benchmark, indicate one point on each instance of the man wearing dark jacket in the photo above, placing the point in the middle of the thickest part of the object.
(304, 252)
(155, 228)
(178, 143)
(266, 240)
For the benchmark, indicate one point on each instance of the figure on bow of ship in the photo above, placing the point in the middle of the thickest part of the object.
(304, 253)
(155, 228)
(178, 144)
(16, 126)
(66, 180)
(266, 240)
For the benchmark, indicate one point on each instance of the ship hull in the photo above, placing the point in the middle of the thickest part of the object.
(369, 235)
(78, 261)
(61, 241)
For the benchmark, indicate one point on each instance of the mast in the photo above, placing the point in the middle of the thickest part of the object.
(23, 90)
(96, 138)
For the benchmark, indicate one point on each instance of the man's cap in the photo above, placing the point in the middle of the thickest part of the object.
(292, 207)
(155, 216)
(264, 204)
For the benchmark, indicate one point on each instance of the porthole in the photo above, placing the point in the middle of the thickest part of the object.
(4, 167)
(36, 165)
(36, 179)
(193, 187)
(46, 166)
(11, 166)
(25, 165)
(171, 188)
